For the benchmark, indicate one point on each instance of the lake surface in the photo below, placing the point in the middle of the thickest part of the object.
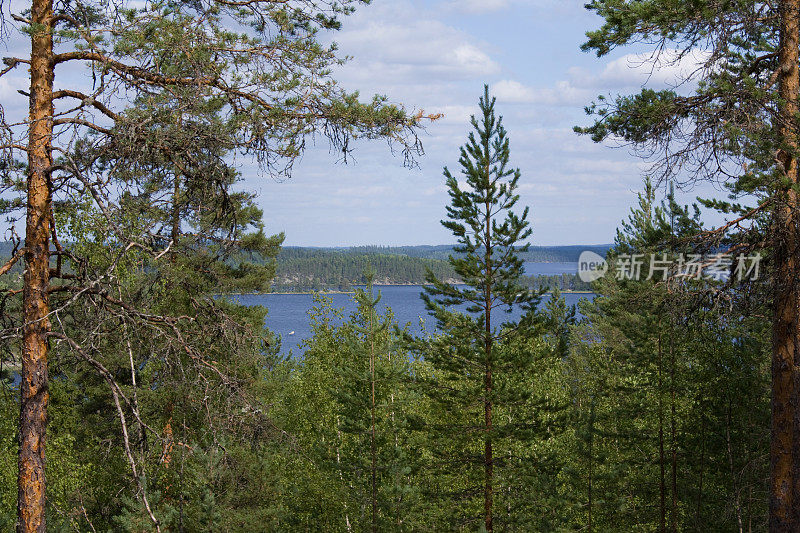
(289, 313)
(550, 269)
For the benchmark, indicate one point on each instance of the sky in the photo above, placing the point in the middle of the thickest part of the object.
(436, 56)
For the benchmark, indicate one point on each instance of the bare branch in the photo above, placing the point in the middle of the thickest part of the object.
(116, 393)
(10, 263)
(85, 99)
(81, 122)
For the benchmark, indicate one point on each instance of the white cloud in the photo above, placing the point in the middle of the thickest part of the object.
(631, 71)
(513, 92)
(14, 105)
(420, 54)
(564, 93)
(457, 115)
(481, 6)
(490, 6)
(668, 69)
(362, 191)
(472, 59)
(396, 44)
(9, 86)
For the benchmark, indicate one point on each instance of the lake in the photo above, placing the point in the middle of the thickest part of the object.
(550, 269)
(289, 313)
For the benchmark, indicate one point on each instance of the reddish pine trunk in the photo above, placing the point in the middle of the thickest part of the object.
(34, 384)
(785, 437)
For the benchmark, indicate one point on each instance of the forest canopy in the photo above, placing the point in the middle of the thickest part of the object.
(135, 395)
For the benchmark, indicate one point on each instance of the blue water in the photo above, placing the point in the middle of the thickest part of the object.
(550, 269)
(290, 312)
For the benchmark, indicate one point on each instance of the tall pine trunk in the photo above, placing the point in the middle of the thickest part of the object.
(34, 384)
(784, 451)
(488, 494)
(673, 431)
(662, 486)
(488, 459)
(373, 451)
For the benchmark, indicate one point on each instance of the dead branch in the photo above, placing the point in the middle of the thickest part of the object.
(116, 393)
(86, 99)
(10, 263)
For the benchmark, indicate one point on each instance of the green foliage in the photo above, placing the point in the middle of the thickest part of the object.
(721, 121)
(70, 468)
(584, 415)
(689, 360)
(656, 371)
(327, 408)
(651, 412)
(8, 460)
(486, 410)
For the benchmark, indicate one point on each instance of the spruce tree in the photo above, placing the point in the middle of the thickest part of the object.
(475, 374)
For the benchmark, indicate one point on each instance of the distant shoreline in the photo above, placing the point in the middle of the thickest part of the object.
(324, 291)
(285, 293)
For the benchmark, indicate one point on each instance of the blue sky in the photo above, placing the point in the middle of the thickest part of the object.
(436, 56)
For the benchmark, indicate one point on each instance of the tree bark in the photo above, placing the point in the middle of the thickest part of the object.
(488, 458)
(662, 486)
(673, 433)
(784, 451)
(373, 450)
(34, 384)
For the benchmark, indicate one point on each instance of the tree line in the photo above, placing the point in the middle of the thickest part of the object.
(323, 269)
(534, 254)
(320, 270)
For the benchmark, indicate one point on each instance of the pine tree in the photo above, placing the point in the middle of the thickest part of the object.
(373, 410)
(203, 81)
(658, 371)
(737, 125)
(476, 371)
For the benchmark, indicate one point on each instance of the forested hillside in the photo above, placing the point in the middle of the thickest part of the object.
(535, 254)
(302, 269)
(317, 269)
(308, 268)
